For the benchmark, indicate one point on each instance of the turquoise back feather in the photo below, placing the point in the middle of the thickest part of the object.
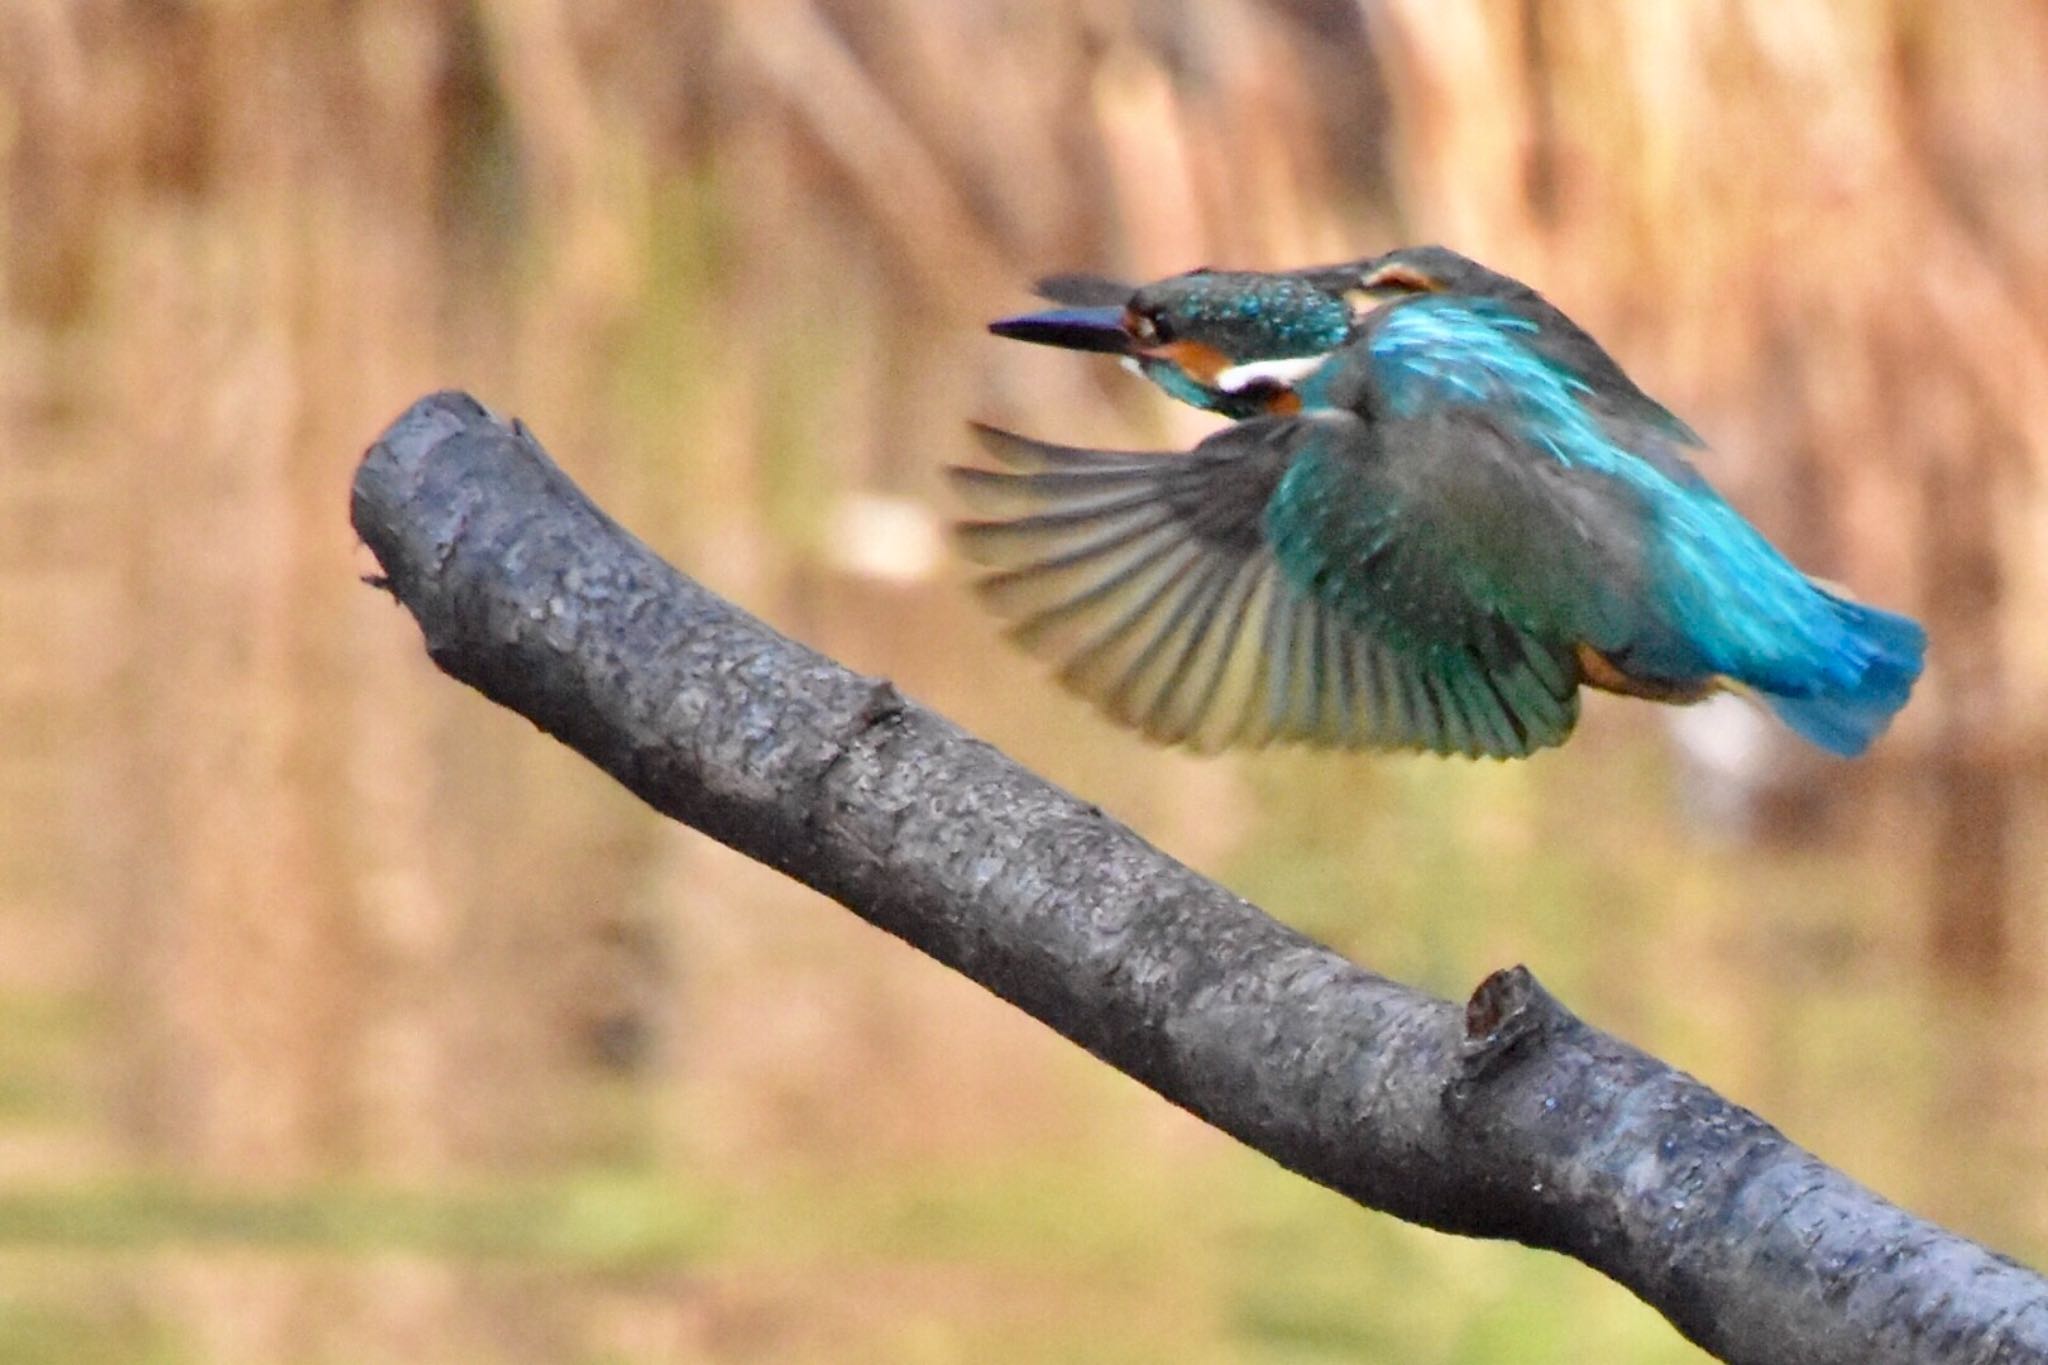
(1719, 598)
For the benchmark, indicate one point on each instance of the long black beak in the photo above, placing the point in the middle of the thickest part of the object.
(1075, 329)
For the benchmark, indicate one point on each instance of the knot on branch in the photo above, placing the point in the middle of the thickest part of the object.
(1508, 1019)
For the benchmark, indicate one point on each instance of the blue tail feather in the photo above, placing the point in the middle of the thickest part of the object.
(1845, 721)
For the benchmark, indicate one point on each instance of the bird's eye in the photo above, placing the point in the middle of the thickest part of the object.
(1145, 329)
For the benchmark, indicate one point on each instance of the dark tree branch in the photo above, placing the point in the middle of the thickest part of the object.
(1509, 1118)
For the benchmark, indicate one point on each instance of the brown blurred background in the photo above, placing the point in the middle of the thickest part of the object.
(346, 1018)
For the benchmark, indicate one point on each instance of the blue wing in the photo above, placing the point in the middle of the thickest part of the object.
(1694, 593)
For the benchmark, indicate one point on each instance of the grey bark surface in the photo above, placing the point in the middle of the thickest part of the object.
(1506, 1117)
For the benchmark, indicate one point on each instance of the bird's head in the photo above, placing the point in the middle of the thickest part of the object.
(1238, 342)
(1233, 342)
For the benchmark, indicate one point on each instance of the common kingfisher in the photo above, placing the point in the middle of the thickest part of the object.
(1443, 510)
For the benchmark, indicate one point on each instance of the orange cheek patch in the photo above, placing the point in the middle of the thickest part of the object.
(1201, 363)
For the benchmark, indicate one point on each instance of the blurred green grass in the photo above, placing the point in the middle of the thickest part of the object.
(1037, 1261)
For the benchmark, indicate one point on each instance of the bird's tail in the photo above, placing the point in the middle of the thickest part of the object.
(1845, 720)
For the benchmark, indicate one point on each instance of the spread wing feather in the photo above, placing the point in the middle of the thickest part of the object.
(1152, 582)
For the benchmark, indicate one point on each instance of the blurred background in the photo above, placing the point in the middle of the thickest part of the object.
(343, 1017)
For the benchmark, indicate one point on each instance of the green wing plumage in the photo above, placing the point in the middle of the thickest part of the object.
(1152, 581)
(1442, 531)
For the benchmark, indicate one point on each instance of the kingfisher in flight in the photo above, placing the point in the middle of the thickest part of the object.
(1441, 511)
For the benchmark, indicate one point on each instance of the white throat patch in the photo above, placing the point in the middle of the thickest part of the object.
(1285, 373)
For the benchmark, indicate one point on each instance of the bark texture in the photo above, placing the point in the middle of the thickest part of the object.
(1507, 1117)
